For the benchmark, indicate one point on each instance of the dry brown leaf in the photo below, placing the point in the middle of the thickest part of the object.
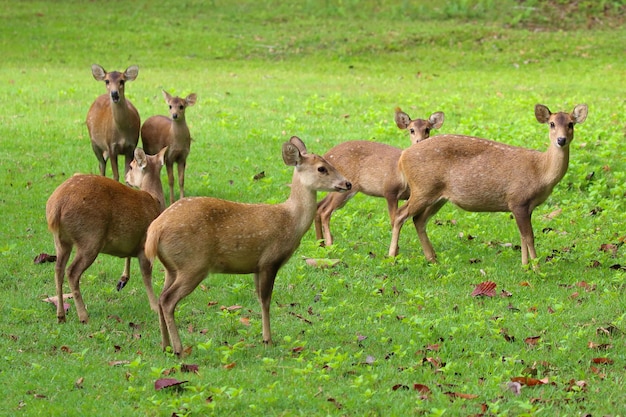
(602, 361)
(532, 341)
(230, 365)
(322, 262)
(486, 288)
(529, 382)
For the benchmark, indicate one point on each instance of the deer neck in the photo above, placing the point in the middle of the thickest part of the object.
(121, 112)
(154, 187)
(302, 204)
(555, 162)
(180, 131)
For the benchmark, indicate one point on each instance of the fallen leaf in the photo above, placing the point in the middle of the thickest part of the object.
(579, 385)
(532, 341)
(609, 247)
(189, 368)
(259, 176)
(599, 346)
(486, 288)
(44, 257)
(422, 389)
(231, 308)
(245, 321)
(118, 363)
(400, 386)
(55, 301)
(322, 262)
(79, 383)
(230, 365)
(461, 395)
(514, 387)
(603, 361)
(159, 384)
(529, 382)
(553, 214)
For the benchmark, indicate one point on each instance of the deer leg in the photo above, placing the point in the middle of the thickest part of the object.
(102, 161)
(264, 283)
(182, 284)
(420, 221)
(146, 272)
(125, 275)
(523, 219)
(63, 251)
(81, 262)
(170, 179)
(333, 201)
(181, 178)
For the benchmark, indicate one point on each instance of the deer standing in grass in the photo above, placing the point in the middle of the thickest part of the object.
(373, 170)
(158, 132)
(481, 175)
(197, 236)
(99, 215)
(113, 122)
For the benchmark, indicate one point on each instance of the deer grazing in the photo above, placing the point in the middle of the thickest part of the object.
(113, 122)
(480, 175)
(373, 170)
(99, 215)
(158, 132)
(201, 235)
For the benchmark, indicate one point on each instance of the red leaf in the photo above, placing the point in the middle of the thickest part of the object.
(532, 341)
(230, 365)
(44, 257)
(529, 382)
(159, 384)
(422, 389)
(189, 368)
(603, 361)
(461, 395)
(487, 288)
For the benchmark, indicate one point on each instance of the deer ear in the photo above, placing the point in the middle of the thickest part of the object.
(140, 157)
(580, 113)
(542, 113)
(161, 156)
(131, 73)
(191, 99)
(98, 72)
(402, 119)
(436, 119)
(297, 142)
(291, 154)
(167, 96)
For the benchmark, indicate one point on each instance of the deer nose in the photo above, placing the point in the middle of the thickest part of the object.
(348, 185)
(115, 96)
(175, 116)
(561, 141)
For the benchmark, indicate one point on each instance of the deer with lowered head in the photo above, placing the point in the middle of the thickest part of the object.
(113, 122)
(481, 175)
(158, 132)
(99, 215)
(373, 170)
(201, 235)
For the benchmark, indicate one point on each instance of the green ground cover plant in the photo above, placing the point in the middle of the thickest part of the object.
(371, 335)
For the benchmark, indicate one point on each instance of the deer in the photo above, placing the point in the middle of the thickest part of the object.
(196, 236)
(481, 175)
(158, 132)
(373, 170)
(113, 122)
(100, 215)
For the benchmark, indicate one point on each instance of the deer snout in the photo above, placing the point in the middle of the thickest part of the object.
(561, 141)
(115, 96)
(175, 116)
(347, 186)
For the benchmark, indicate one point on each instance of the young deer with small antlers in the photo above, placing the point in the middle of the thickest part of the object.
(373, 170)
(201, 235)
(485, 176)
(113, 122)
(99, 215)
(158, 132)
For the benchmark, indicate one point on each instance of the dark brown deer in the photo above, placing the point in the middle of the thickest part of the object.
(99, 215)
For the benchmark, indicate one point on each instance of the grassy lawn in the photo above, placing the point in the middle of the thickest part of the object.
(372, 335)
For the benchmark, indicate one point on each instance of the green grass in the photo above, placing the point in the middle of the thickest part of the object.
(354, 339)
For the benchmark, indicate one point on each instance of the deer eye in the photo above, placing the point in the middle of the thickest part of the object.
(122, 83)
(170, 107)
(552, 125)
(412, 131)
(570, 125)
(181, 107)
(427, 131)
(322, 170)
(106, 82)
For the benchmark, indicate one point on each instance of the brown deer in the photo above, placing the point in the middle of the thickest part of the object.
(113, 122)
(99, 215)
(197, 236)
(481, 175)
(373, 170)
(158, 132)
